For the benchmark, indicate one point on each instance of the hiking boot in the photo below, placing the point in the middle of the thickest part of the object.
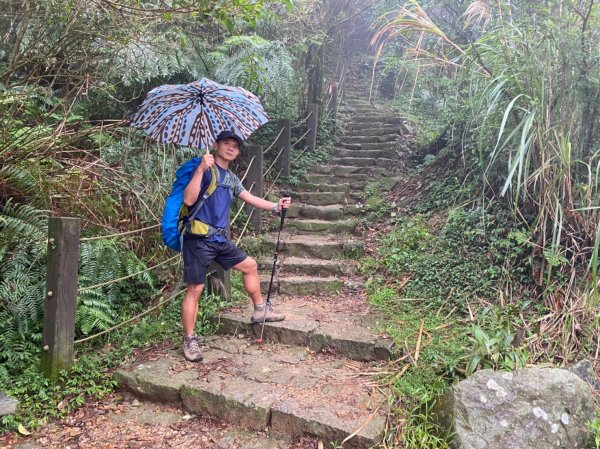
(191, 349)
(265, 312)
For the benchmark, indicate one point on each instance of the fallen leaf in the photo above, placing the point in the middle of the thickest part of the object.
(22, 430)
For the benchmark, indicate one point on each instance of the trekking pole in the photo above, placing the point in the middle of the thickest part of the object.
(268, 301)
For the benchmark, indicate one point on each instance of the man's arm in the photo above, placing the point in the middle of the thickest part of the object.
(191, 192)
(259, 203)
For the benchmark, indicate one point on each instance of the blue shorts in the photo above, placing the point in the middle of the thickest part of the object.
(199, 253)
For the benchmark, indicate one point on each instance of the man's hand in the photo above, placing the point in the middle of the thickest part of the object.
(284, 202)
(208, 161)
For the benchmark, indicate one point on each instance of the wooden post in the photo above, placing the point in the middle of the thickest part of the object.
(333, 108)
(284, 142)
(313, 123)
(254, 183)
(61, 295)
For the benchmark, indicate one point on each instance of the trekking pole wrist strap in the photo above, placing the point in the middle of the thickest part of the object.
(276, 208)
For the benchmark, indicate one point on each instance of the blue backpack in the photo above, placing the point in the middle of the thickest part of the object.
(176, 215)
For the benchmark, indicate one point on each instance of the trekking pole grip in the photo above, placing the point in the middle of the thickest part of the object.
(283, 210)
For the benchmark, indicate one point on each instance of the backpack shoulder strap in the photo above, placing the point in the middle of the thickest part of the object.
(207, 192)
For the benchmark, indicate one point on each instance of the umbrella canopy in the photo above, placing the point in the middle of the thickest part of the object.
(194, 114)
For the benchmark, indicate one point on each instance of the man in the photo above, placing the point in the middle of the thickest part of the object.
(199, 252)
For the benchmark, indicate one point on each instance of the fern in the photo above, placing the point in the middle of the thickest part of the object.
(22, 281)
(105, 261)
(257, 64)
(17, 179)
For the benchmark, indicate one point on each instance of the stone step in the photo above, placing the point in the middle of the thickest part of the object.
(336, 325)
(336, 169)
(369, 139)
(363, 161)
(362, 109)
(338, 179)
(373, 131)
(359, 153)
(346, 226)
(298, 285)
(306, 245)
(320, 187)
(364, 166)
(367, 174)
(390, 146)
(374, 124)
(308, 267)
(324, 198)
(358, 102)
(384, 119)
(289, 390)
(330, 212)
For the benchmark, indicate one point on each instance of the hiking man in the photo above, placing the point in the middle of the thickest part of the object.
(199, 252)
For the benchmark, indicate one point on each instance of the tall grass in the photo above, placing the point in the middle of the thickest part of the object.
(530, 104)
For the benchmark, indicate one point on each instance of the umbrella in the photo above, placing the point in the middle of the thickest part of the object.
(194, 114)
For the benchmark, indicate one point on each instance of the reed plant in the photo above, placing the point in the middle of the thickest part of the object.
(529, 115)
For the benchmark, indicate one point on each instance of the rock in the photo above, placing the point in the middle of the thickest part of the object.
(8, 405)
(532, 408)
(407, 128)
(585, 371)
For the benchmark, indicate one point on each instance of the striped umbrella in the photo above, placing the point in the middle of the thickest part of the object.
(194, 114)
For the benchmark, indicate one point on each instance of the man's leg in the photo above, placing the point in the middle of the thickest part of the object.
(189, 308)
(197, 256)
(189, 313)
(249, 269)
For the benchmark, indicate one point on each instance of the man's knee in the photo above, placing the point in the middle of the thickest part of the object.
(248, 265)
(195, 290)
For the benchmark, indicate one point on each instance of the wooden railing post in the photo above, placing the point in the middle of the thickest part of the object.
(61, 296)
(333, 108)
(254, 183)
(284, 131)
(313, 123)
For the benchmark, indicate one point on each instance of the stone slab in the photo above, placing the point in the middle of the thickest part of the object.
(322, 198)
(309, 267)
(325, 324)
(362, 154)
(289, 389)
(300, 285)
(322, 187)
(337, 179)
(329, 212)
(373, 131)
(367, 139)
(383, 119)
(308, 245)
(153, 381)
(346, 226)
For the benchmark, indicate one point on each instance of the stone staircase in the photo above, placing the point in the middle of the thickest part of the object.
(314, 374)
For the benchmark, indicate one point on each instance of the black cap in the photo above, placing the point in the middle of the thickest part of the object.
(230, 135)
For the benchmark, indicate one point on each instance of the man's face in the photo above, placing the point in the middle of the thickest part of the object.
(228, 149)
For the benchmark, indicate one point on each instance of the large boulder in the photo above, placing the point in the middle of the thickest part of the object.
(8, 405)
(532, 408)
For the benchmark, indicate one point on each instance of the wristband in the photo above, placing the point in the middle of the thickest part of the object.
(275, 208)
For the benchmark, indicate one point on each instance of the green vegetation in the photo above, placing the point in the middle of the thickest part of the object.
(493, 264)
(502, 240)
(70, 76)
